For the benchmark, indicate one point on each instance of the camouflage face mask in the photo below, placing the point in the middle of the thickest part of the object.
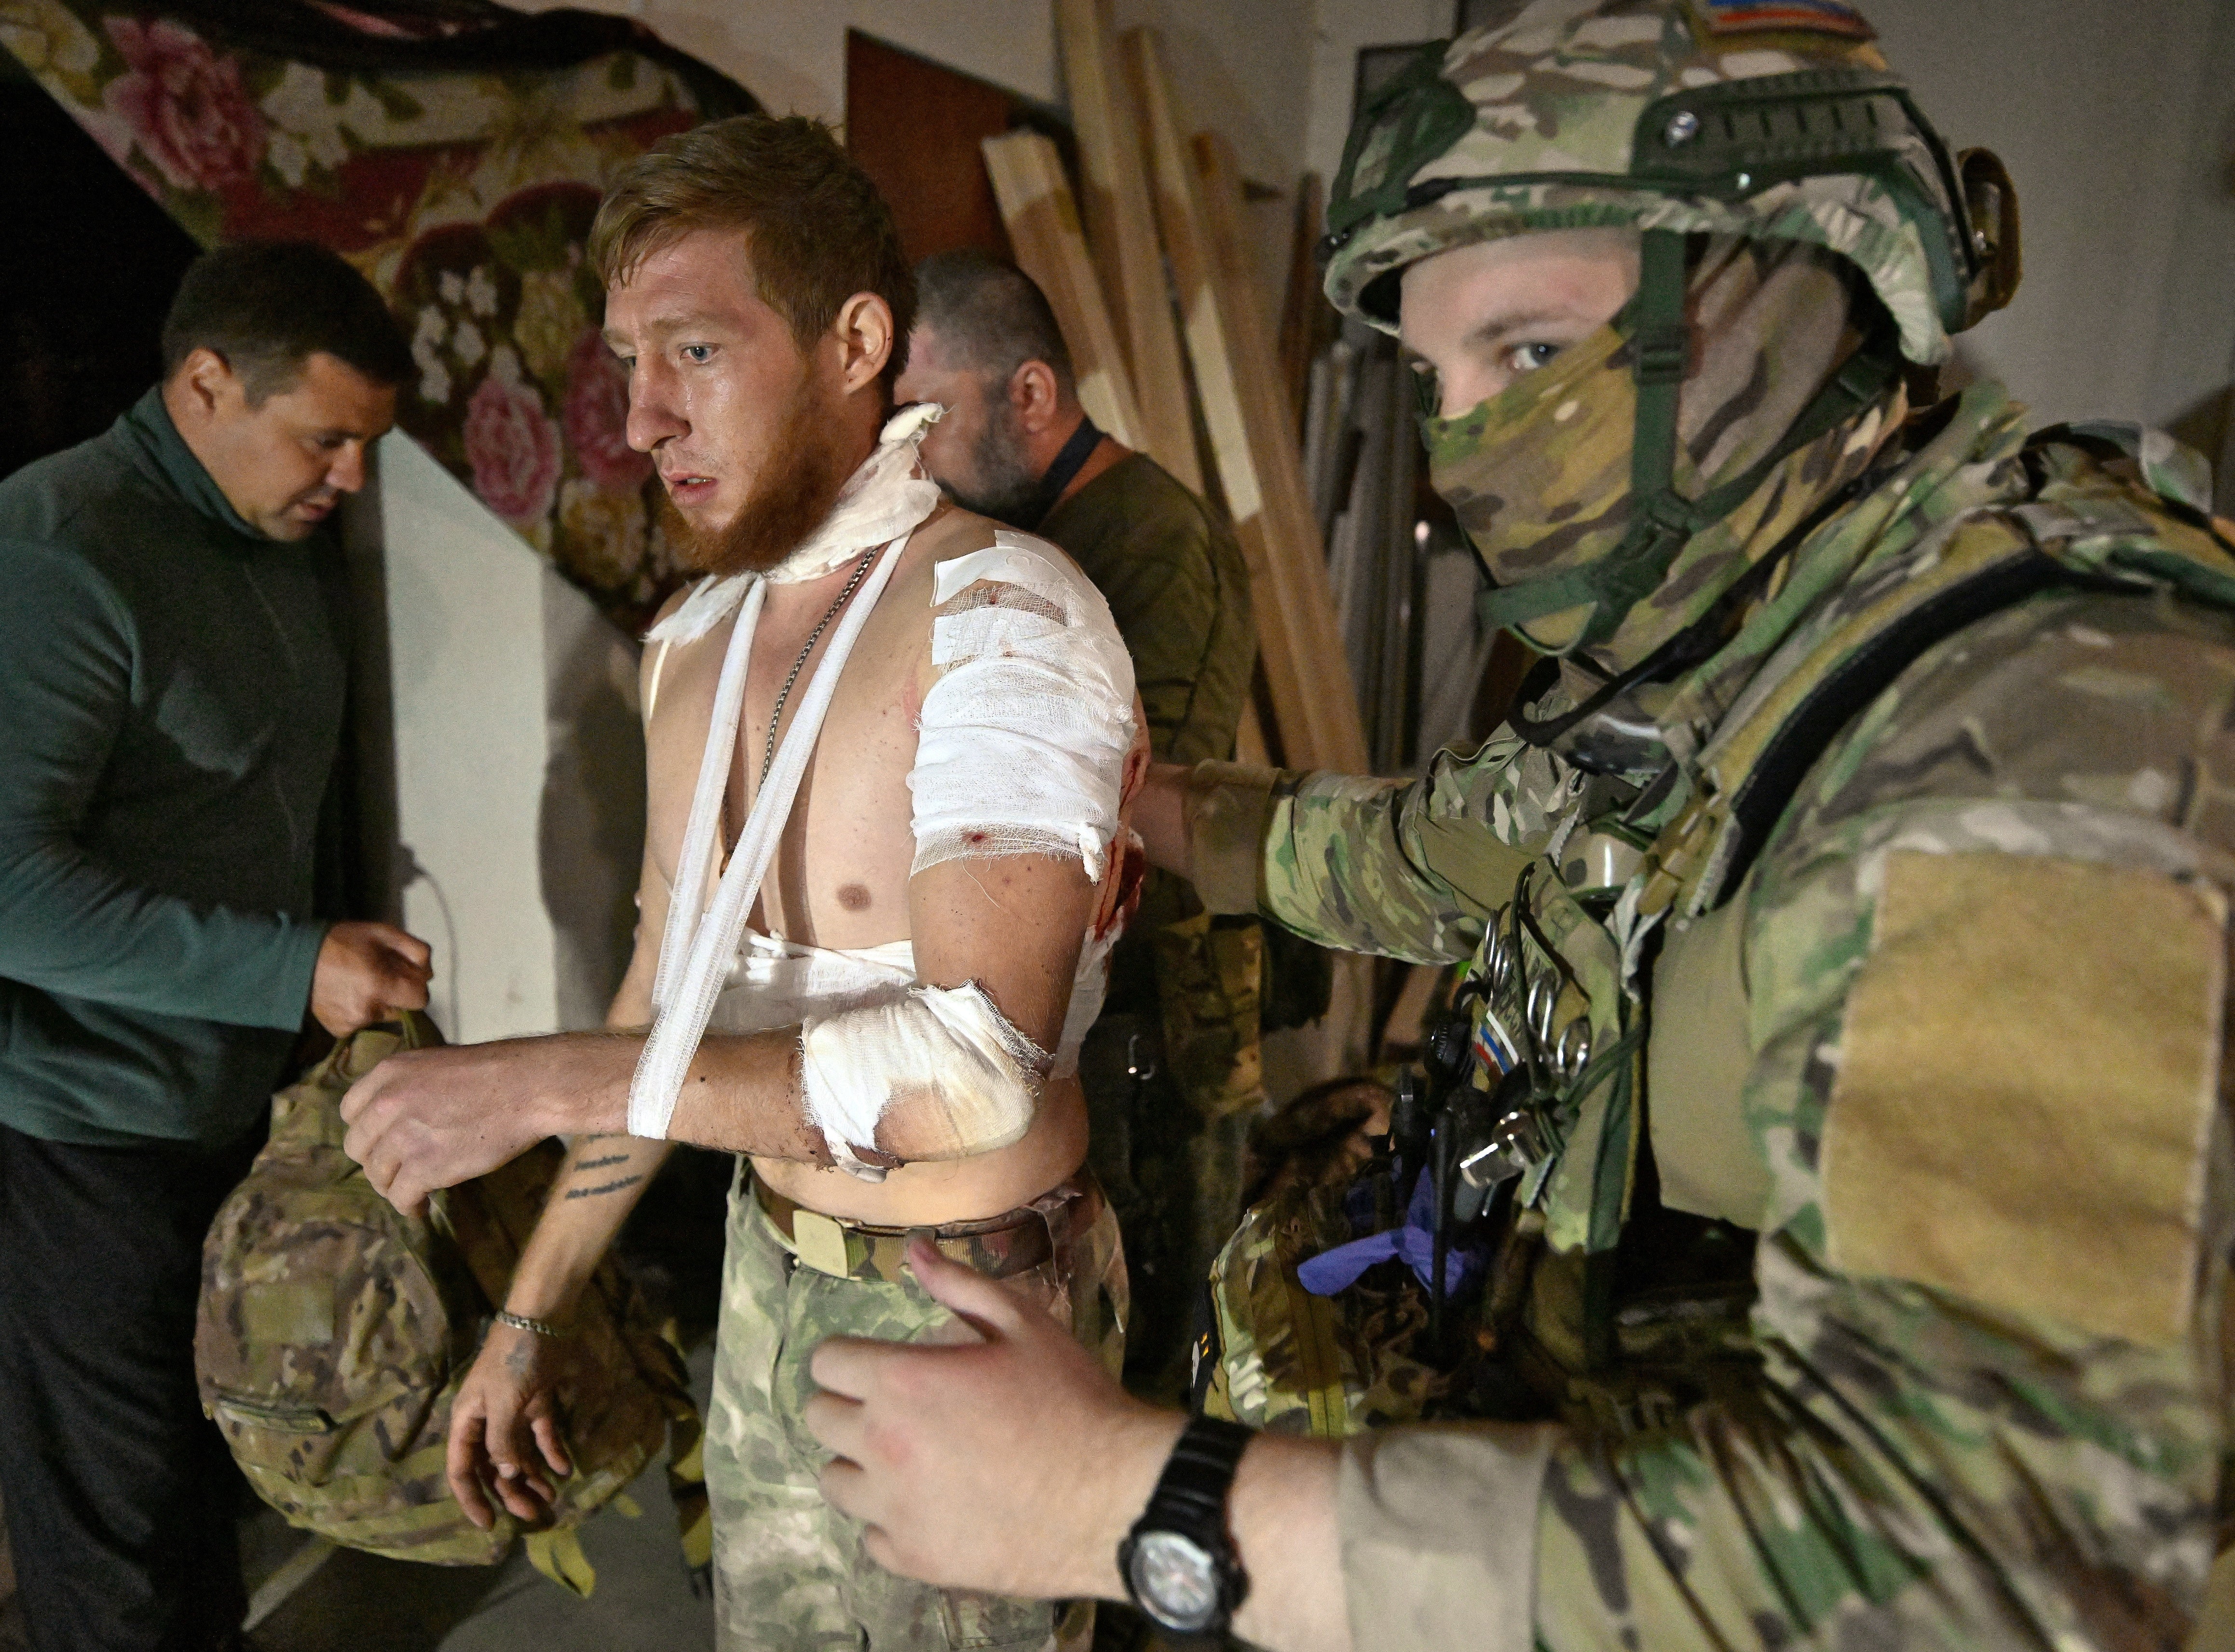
(1539, 474)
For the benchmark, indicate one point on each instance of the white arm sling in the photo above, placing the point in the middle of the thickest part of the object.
(701, 940)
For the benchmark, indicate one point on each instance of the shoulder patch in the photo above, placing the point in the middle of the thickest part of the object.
(2026, 1087)
(1719, 17)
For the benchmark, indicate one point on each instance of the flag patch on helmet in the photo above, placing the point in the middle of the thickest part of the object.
(1809, 17)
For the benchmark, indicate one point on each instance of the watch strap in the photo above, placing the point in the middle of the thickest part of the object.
(1190, 1494)
(1190, 1500)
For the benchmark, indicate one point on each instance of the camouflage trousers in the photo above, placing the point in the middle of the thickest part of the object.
(790, 1571)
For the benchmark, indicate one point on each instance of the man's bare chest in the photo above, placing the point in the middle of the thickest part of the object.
(839, 874)
(841, 871)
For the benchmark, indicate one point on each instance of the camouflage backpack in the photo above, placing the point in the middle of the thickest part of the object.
(334, 1333)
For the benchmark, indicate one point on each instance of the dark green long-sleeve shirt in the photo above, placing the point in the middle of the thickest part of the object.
(171, 690)
(1179, 592)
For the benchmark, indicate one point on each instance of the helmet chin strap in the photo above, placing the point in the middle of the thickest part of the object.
(1662, 520)
(1697, 641)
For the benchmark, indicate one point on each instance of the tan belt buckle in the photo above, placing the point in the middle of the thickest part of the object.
(820, 1242)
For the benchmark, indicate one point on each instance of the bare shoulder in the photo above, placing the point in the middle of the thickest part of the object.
(651, 665)
(964, 532)
(676, 659)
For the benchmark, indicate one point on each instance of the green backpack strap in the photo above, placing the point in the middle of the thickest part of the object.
(558, 1555)
(1755, 770)
(1841, 695)
(686, 1484)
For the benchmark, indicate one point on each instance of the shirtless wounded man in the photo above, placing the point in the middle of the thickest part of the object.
(888, 749)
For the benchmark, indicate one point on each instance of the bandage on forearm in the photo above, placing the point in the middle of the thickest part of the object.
(1021, 743)
(970, 1081)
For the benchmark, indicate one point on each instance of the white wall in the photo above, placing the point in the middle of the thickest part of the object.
(792, 54)
(1241, 65)
(1242, 68)
(507, 832)
(589, 830)
(1340, 30)
(2118, 123)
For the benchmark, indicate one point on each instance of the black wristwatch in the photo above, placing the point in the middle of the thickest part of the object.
(1177, 1562)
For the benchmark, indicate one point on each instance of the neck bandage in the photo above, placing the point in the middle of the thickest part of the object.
(881, 501)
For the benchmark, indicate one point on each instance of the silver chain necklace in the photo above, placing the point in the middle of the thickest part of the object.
(768, 757)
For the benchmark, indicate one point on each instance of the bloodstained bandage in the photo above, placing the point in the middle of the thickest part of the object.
(948, 1051)
(1022, 742)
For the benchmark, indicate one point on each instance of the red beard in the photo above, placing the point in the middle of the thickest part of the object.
(797, 484)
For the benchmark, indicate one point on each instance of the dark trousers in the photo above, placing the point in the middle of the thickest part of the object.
(120, 1497)
(1174, 1179)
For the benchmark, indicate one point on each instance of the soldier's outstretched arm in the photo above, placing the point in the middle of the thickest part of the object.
(1401, 869)
(1982, 1401)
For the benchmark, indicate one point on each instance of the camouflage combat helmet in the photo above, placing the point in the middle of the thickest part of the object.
(1763, 118)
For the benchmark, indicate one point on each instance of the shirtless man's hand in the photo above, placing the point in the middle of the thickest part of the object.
(505, 1429)
(431, 1119)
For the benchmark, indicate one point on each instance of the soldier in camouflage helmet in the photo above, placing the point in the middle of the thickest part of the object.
(1844, 917)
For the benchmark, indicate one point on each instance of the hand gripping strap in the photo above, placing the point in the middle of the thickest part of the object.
(695, 951)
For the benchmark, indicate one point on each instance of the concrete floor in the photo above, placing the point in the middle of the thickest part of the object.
(359, 1602)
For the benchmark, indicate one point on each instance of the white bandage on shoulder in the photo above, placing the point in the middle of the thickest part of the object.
(1022, 742)
(948, 1047)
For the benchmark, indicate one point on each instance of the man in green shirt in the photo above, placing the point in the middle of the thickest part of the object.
(1172, 1068)
(171, 693)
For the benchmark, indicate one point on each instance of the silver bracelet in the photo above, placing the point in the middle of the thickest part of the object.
(521, 1322)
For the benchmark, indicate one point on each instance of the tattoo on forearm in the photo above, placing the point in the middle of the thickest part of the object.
(609, 1160)
(602, 1187)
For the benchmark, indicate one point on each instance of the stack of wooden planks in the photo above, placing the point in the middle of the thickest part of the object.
(1043, 228)
(1121, 232)
(1150, 275)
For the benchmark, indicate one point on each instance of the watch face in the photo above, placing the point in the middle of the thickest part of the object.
(1175, 1579)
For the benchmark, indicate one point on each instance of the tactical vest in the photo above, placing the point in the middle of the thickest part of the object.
(1618, 1287)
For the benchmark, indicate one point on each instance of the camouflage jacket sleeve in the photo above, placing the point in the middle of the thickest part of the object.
(1403, 870)
(1984, 966)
